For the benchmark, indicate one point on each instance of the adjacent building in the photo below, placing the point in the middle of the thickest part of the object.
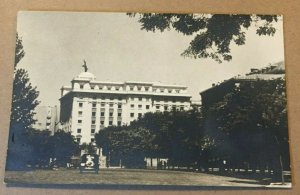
(88, 105)
(218, 91)
(46, 118)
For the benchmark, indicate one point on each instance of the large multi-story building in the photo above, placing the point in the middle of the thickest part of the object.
(88, 105)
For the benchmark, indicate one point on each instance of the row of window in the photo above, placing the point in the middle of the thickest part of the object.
(78, 139)
(79, 131)
(140, 106)
(166, 108)
(132, 115)
(94, 105)
(110, 122)
(102, 114)
(131, 88)
(111, 114)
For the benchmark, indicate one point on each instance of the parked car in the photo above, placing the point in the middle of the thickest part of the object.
(89, 163)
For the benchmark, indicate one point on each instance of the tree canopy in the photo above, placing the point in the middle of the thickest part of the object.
(24, 101)
(252, 120)
(175, 135)
(213, 33)
(245, 129)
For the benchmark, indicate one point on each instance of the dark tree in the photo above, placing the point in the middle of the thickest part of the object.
(176, 135)
(24, 98)
(252, 119)
(19, 52)
(63, 147)
(24, 101)
(88, 148)
(213, 34)
(41, 151)
(128, 144)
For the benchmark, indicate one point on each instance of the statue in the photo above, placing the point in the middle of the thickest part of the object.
(85, 66)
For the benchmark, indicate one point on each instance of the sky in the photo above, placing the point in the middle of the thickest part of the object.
(116, 49)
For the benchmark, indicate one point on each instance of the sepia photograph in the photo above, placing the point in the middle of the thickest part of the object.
(148, 100)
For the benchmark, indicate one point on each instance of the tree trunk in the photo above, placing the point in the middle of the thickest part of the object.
(281, 167)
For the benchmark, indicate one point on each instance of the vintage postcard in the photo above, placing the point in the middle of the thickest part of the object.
(176, 101)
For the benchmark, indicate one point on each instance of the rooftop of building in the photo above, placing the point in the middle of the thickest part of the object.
(86, 82)
(85, 76)
(276, 68)
(91, 78)
(270, 72)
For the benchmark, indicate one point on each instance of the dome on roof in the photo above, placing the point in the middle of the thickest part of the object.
(86, 75)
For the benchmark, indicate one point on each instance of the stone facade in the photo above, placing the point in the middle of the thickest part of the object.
(88, 105)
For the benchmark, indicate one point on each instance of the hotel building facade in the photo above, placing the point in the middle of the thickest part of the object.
(88, 105)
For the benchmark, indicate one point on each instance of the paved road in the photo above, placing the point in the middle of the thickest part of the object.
(127, 177)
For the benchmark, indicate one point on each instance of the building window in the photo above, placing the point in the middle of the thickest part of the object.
(147, 107)
(92, 130)
(102, 122)
(119, 114)
(140, 115)
(139, 88)
(92, 139)
(140, 99)
(131, 88)
(94, 105)
(146, 88)
(102, 104)
(119, 123)
(93, 114)
(166, 107)
(80, 104)
(157, 107)
(79, 121)
(110, 123)
(132, 105)
(140, 106)
(78, 130)
(119, 105)
(102, 114)
(81, 86)
(111, 105)
(78, 140)
(131, 114)
(111, 114)
(79, 113)
(93, 122)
